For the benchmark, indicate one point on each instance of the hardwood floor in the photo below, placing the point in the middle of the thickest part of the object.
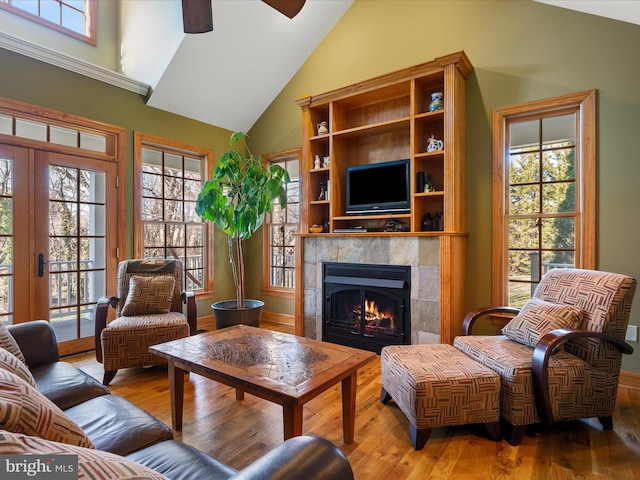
(238, 432)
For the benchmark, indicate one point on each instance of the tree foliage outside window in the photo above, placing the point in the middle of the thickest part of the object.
(170, 180)
(541, 210)
(281, 227)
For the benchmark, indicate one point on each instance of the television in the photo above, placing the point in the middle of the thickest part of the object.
(378, 188)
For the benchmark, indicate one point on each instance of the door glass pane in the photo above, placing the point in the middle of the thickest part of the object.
(6, 240)
(63, 183)
(77, 253)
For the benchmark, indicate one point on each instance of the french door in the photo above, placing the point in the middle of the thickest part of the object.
(58, 254)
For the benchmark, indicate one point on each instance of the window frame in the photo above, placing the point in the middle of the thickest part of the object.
(142, 140)
(584, 104)
(267, 288)
(91, 17)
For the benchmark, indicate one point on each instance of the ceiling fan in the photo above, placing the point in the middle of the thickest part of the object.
(197, 15)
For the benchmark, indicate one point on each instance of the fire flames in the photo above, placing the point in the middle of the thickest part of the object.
(375, 319)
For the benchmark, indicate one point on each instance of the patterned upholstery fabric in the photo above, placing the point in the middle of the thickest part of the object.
(9, 343)
(92, 464)
(13, 364)
(437, 386)
(23, 409)
(149, 295)
(150, 268)
(538, 317)
(126, 340)
(583, 378)
(605, 299)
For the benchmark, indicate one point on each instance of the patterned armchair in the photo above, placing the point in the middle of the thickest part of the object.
(148, 311)
(559, 359)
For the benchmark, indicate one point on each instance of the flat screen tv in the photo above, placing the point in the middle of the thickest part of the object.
(378, 188)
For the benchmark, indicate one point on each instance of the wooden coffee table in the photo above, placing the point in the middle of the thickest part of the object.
(282, 368)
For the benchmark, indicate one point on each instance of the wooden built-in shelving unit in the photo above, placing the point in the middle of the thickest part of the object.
(383, 119)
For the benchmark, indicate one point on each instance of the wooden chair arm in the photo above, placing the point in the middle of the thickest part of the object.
(102, 312)
(472, 316)
(192, 312)
(547, 346)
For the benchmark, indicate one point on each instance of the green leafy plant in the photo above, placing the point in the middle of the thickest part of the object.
(237, 197)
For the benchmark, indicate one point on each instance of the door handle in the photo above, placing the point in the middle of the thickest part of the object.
(41, 264)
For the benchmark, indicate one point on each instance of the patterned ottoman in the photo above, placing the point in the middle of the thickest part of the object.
(439, 386)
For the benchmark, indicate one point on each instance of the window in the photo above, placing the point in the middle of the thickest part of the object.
(76, 18)
(543, 192)
(168, 179)
(280, 229)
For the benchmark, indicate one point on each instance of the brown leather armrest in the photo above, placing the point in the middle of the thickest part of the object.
(37, 341)
(102, 312)
(472, 316)
(547, 346)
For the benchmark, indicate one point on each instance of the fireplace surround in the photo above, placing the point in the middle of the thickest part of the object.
(424, 254)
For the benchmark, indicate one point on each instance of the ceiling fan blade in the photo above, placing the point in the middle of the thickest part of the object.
(197, 16)
(290, 8)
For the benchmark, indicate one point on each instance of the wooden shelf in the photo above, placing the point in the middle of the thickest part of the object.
(374, 129)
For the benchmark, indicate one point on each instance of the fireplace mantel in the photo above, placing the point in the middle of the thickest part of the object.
(437, 278)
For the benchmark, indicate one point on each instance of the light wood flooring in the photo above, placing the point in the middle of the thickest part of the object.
(238, 432)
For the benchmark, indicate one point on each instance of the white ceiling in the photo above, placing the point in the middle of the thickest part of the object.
(623, 10)
(227, 77)
(230, 76)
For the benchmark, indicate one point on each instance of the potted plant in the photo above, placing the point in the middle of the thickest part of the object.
(236, 198)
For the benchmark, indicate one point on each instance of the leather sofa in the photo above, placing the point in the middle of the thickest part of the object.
(117, 426)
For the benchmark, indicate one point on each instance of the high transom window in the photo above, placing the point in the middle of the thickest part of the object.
(76, 18)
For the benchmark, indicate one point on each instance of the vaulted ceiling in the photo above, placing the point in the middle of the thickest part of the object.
(227, 77)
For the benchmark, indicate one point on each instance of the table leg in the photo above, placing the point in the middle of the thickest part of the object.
(176, 388)
(349, 385)
(239, 394)
(292, 420)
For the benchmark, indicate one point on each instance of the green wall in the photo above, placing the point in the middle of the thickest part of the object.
(47, 86)
(521, 51)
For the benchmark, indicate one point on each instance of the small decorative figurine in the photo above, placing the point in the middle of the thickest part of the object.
(433, 144)
(437, 101)
(427, 223)
(316, 162)
(325, 162)
(438, 222)
(323, 192)
(428, 185)
(322, 128)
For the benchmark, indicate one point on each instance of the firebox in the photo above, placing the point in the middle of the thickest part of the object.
(366, 306)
